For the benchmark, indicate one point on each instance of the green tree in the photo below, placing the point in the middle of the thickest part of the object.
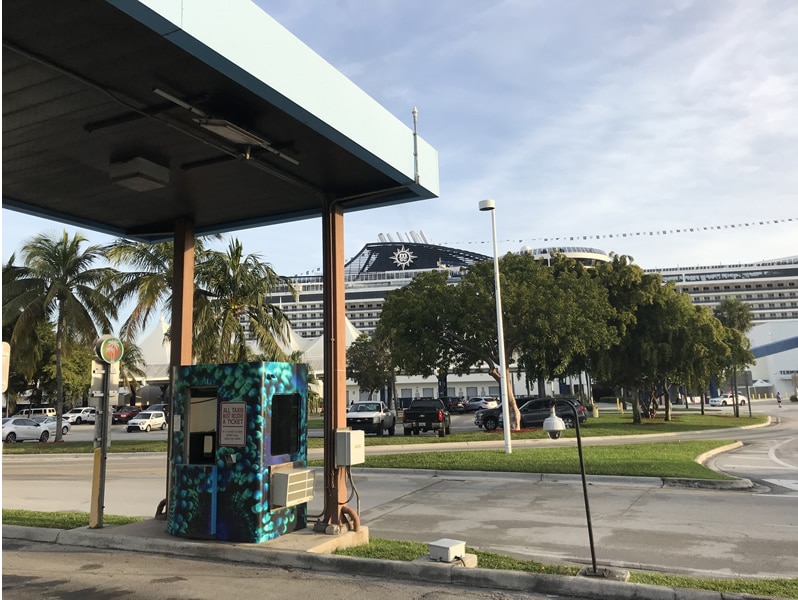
(413, 321)
(228, 286)
(131, 368)
(708, 352)
(738, 319)
(59, 282)
(232, 308)
(368, 363)
(629, 289)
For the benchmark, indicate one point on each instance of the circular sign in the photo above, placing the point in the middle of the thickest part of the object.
(109, 349)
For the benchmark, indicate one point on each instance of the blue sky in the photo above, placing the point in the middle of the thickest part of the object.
(581, 119)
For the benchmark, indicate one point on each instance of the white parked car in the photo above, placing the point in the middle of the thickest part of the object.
(727, 400)
(84, 414)
(50, 423)
(147, 421)
(19, 429)
(480, 403)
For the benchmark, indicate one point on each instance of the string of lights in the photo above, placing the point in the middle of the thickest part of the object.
(633, 234)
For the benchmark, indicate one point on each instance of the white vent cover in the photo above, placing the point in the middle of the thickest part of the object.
(291, 487)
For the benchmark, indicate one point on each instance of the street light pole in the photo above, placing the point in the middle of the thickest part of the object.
(554, 426)
(490, 206)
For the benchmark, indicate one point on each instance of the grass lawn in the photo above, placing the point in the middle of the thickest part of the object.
(83, 447)
(59, 520)
(606, 425)
(658, 459)
(399, 550)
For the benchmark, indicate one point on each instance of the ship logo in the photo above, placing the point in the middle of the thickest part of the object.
(403, 257)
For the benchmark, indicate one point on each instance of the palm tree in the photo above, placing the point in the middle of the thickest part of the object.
(130, 368)
(232, 310)
(227, 286)
(59, 283)
(150, 281)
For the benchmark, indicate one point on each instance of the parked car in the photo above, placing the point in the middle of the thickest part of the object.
(50, 423)
(19, 429)
(371, 417)
(147, 421)
(164, 408)
(727, 399)
(480, 402)
(489, 417)
(536, 411)
(85, 414)
(123, 414)
(454, 404)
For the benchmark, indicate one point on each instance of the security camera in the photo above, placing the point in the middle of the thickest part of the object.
(554, 425)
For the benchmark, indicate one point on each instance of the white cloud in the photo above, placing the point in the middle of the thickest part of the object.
(579, 118)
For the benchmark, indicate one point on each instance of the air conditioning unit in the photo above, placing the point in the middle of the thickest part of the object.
(291, 487)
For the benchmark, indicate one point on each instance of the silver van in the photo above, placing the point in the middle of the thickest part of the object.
(36, 412)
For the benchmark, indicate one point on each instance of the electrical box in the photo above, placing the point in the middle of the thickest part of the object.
(446, 550)
(350, 447)
(291, 487)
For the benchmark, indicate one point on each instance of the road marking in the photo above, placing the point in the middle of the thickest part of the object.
(772, 454)
(790, 484)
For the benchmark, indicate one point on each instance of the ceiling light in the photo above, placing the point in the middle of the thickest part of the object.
(232, 133)
(139, 174)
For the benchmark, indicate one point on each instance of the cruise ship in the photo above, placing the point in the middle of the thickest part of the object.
(769, 288)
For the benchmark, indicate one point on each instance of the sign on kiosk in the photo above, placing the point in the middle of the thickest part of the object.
(232, 424)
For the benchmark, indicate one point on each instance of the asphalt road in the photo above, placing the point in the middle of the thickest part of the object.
(637, 523)
(32, 571)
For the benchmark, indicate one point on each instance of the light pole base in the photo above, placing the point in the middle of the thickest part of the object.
(604, 573)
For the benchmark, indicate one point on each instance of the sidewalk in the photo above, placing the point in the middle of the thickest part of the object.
(312, 551)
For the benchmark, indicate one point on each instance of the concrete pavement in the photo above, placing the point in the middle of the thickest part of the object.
(312, 551)
(301, 551)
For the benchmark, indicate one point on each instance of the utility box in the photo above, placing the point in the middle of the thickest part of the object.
(446, 550)
(350, 447)
(239, 451)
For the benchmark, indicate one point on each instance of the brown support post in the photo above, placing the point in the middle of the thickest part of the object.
(334, 358)
(183, 294)
(182, 323)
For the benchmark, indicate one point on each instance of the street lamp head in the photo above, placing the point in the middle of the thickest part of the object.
(487, 204)
(554, 425)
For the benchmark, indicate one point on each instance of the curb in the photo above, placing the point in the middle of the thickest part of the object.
(433, 572)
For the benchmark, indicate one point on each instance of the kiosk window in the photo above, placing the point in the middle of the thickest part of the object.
(201, 425)
(285, 423)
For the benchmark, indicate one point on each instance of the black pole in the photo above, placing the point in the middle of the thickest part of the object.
(584, 487)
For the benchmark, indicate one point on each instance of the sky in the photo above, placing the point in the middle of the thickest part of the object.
(662, 130)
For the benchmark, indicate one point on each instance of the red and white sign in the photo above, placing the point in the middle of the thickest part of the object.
(232, 424)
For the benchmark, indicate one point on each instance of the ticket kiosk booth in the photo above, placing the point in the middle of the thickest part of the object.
(239, 451)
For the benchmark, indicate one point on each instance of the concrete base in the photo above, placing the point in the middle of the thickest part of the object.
(308, 540)
(604, 573)
(468, 561)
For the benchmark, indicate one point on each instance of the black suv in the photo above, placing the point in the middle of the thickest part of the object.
(533, 413)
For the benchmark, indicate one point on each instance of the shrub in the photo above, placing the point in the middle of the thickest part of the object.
(794, 398)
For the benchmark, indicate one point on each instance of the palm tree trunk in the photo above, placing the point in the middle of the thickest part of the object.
(59, 375)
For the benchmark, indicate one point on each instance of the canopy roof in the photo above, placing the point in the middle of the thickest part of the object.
(126, 115)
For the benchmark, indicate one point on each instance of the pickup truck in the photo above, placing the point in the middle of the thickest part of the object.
(371, 417)
(426, 415)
